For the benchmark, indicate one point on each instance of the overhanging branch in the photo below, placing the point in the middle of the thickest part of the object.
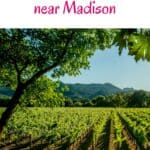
(55, 64)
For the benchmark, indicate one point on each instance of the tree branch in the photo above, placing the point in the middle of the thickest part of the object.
(55, 64)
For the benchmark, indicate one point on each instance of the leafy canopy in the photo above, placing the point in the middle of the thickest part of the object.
(43, 93)
(29, 53)
(26, 54)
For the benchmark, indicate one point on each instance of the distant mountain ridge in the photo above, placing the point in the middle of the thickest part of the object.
(6, 91)
(79, 90)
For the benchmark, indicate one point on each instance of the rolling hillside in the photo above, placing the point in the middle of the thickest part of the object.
(81, 90)
(5, 92)
(91, 90)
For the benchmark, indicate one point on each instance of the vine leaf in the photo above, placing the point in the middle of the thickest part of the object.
(139, 47)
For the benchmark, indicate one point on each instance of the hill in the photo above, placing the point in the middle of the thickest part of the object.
(91, 90)
(5, 95)
(5, 92)
(79, 90)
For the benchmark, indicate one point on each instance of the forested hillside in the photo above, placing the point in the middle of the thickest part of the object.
(92, 90)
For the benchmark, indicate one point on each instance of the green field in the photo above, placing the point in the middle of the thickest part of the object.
(78, 128)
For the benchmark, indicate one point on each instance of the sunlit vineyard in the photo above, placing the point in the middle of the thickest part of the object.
(77, 129)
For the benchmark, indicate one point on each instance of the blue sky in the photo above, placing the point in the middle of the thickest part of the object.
(108, 66)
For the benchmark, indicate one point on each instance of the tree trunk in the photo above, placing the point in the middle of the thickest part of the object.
(9, 110)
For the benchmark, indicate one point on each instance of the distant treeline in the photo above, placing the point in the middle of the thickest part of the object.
(138, 98)
(49, 96)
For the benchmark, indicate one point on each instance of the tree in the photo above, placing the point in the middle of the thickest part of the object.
(118, 100)
(30, 53)
(114, 100)
(139, 98)
(68, 102)
(100, 101)
(43, 93)
(88, 104)
(78, 104)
